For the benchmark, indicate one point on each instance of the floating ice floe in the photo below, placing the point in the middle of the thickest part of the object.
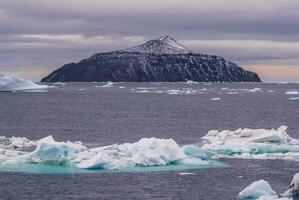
(147, 152)
(12, 82)
(261, 190)
(293, 98)
(232, 93)
(255, 90)
(216, 99)
(292, 92)
(257, 189)
(183, 91)
(252, 143)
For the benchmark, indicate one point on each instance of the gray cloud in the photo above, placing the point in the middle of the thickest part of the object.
(44, 34)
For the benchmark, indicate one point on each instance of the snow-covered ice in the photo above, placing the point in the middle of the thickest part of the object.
(12, 82)
(257, 189)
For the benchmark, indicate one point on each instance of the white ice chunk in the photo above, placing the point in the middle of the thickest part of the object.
(107, 85)
(145, 152)
(99, 161)
(257, 189)
(292, 92)
(244, 142)
(293, 98)
(189, 82)
(216, 99)
(20, 142)
(11, 82)
(51, 152)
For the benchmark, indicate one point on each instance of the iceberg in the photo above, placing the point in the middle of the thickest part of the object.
(147, 152)
(12, 82)
(257, 189)
(252, 143)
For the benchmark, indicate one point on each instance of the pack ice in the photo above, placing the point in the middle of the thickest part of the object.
(252, 143)
(11, 82)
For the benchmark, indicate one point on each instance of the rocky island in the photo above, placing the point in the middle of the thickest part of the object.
(159, 60)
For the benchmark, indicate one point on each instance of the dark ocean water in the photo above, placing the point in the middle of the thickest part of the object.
(102, 116)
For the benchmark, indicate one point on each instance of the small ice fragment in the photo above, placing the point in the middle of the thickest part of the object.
(255, 90)
(186, 173)
(216, 99)
(257, 189)
(189, 82)
(293, 98)
(107, 85)
(292, 92)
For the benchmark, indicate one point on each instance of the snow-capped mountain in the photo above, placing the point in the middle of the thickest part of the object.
(162, 45)
(158, 60)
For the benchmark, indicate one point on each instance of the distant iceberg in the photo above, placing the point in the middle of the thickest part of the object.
(12, 82)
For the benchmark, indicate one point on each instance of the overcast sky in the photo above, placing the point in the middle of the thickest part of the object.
(38, 36)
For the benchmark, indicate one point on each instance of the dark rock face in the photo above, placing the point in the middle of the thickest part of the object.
(144, 64)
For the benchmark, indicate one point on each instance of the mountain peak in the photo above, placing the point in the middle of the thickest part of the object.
(162, 45)
(166, 38)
